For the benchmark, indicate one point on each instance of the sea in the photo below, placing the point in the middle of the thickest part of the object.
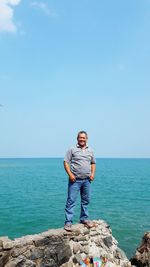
(33, 194)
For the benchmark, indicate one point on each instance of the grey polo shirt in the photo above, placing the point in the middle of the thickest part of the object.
(80, 161)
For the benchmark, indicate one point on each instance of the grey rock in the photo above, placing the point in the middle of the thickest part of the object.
(16, 251)
(108, 241)
(86, 249)
(84, 243)
(29, 263)
(77, 258)
(68, 264)
(48, 263)
(64, 254)
(42, 241)
(86, 231)
(4, 257)
(59, 248)
(18, 262)
(76, 248)
(93, 233)
(8, 244)
(4, 238)
(35, 253)
(119, 254)
(98, 241)
(142, 254)
(81, 238)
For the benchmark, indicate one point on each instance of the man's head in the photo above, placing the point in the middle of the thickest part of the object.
(82, 138)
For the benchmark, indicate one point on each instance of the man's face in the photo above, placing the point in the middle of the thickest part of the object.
(82, 139)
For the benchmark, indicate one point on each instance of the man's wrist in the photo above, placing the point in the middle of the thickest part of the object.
(92, 177)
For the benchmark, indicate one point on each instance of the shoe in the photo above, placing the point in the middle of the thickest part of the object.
(88, 223)
(68, 227)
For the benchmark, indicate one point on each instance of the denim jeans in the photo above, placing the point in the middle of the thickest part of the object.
(84, 186)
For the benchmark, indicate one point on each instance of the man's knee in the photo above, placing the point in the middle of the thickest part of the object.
(70, 202)
(85, 200)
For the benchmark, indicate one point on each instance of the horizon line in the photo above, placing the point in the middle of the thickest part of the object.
(60, 157)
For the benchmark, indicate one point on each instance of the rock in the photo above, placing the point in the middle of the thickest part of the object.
(108, 241)
(5, 242)
(110, 264)
(119, 254)
(142, 254)
(68, 264)
(34, 253)
(80, 238)
(42, 241)
(64, 253)
(4, 257)
(59, 248)
(76, 248)
(94, 250)
(8, 244)
(86, 249)
(17, 251)
(85, 231)
(77, 258)
(17, 262)
(93, 233)
(84, 243)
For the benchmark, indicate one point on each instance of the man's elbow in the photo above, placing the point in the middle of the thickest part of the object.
(66, 163)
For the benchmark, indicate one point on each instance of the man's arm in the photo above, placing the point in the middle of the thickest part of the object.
(93, 168)
(68, 171)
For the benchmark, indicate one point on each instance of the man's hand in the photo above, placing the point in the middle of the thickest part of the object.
(72, 178)
(92, 177)
(93, 167)
(70, 174)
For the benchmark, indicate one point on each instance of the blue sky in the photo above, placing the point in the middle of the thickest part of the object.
(77, 65)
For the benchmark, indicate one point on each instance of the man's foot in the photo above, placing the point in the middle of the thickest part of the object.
(68, 227)
(88, 223)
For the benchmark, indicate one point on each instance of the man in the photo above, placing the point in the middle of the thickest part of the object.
(79, 164)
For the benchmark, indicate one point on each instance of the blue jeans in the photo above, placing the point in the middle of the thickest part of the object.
(84, 186)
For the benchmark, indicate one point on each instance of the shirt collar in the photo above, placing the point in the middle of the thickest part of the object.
(77, 145)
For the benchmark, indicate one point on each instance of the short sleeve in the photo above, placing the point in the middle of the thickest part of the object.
(68, 156)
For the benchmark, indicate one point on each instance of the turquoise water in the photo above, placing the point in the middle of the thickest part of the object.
(33, 196)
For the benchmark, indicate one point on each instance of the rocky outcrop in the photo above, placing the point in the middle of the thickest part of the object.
(142, 255)
(57, 247)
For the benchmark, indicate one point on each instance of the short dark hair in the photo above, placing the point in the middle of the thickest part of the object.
(82, 132)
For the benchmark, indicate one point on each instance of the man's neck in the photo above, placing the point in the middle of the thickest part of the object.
(82, 147)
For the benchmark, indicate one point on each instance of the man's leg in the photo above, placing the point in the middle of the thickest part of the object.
(85, 192)
(73, 189)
